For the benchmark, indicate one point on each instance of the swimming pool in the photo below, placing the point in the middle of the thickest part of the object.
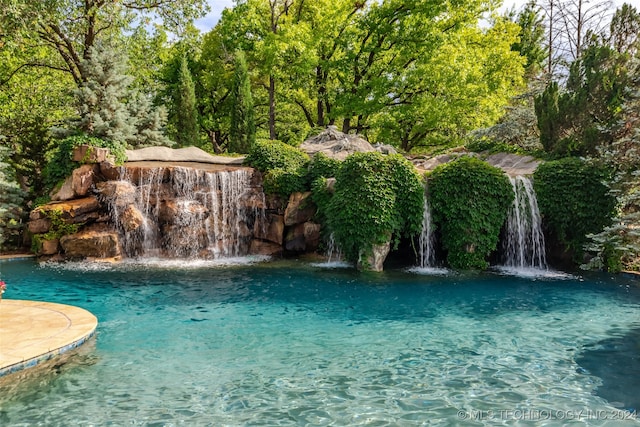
(289, 343)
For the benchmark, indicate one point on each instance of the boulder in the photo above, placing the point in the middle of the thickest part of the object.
(375, 261)
(77, 185)
(272, 230)
(38, 226)
(131, 218)
(92, 242)
(303, 237)
(109, 172)
(72, 210)
(511, 164)
(65, 192)
(49, 247)
(82, 179)
(90, 154)
(259, 247)
(300, 209)
(335, 144)
(118, 193)
(181, 211)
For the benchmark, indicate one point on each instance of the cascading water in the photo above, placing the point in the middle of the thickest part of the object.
(427, 253)
(334, 254)
(185, 212)
(524, 241)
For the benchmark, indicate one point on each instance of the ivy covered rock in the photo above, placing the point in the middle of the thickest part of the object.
(574, 200)
(376, 200)
(470, 200)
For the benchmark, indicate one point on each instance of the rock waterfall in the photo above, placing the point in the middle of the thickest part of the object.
(183, 212)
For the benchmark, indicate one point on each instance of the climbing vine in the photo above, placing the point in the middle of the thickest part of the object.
(60, 163)
(285, 166)
(574, 200)
(377, 198)
(469, 200)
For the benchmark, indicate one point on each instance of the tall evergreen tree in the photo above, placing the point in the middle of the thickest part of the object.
(532, 37)
(243, 128)
(186, 112)
(109, 109)
(11, 197)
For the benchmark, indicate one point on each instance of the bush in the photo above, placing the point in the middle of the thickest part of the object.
(60, 164)
(285, 166)
(470, 200)
(574, 200)
(323, 166)
(376, 198)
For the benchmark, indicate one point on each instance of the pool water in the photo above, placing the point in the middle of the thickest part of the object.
(294, 344)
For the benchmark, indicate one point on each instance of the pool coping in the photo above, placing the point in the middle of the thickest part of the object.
(33, 332)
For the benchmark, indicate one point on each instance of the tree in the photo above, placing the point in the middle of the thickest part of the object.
(11, 196)
(186, 113)
(618, 247)
(624, 31)
(243, 128)
(72, 28)
(531, 38)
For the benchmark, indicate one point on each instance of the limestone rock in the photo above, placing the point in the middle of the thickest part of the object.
(131, 218)
(82, 180)
(300, 209)
(63, 193)
(110, 172)
(72, 210)
(89, 154)
(272, 230)
(511, 164)
(335, 144)
(94, 242)
(186, 154)
(49, 247)
(303, 237)
(119, 193)
(259, 247)
(38, 226)
(375, 261)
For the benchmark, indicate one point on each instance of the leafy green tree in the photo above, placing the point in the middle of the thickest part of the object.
(72, 29)
(531, 38)
(243, 128)
(186, 113)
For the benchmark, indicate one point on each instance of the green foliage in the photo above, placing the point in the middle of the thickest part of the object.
(11, 197)
(532, 38)
(377, 198)
(285, 166)
(61, 164)
(243, 128)
(574, 199)
(59, 228)
(323, 166)
(321, 196)
(470, 200)
(186, 114)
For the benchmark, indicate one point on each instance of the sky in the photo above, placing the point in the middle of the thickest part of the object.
(217, 6)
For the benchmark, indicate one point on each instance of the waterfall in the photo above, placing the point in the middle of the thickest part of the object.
(427, 253)
(524, 241)
(333, 250)
(185, 212)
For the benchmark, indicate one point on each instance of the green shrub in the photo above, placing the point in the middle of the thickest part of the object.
(59, 227)
(323, 166)
(469, 200)
(376, 198)
(574, 200)
(321, 196)
(285, 166)
(60, 164)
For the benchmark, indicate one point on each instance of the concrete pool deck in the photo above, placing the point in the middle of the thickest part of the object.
(32, 332)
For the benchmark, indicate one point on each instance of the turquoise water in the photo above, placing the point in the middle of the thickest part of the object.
(295, 344)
